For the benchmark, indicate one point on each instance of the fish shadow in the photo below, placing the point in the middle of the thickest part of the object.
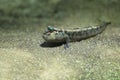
(51, 45)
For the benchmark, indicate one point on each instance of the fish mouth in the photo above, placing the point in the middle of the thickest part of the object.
(47, 39)
(44, 37)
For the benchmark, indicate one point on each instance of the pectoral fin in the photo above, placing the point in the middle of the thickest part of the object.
(67, 43)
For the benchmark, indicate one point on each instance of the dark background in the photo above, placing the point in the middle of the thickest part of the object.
(20, 12)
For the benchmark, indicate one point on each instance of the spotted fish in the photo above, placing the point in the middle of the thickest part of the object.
(66, 35)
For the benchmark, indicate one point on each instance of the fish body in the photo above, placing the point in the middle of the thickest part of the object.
(75, 34)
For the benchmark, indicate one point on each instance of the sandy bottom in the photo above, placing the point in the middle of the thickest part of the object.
(23, 58)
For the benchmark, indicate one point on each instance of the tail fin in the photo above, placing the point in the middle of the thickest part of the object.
(105, 23)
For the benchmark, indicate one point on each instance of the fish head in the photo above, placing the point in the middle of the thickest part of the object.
(54, 36)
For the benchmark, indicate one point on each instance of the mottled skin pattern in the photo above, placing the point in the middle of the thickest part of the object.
(75, 34)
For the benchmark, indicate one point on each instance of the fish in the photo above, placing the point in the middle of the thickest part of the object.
(56, 35)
